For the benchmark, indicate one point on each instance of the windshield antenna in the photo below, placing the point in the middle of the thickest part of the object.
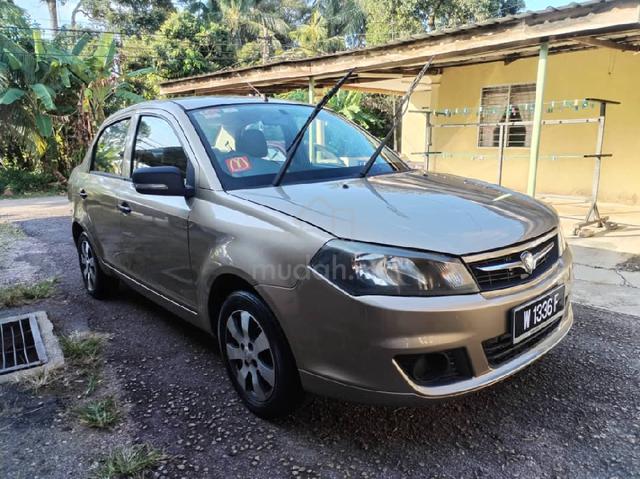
(401, 109)
(264, 96)
(291, 151)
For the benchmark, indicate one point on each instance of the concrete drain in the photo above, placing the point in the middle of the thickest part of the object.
(21, 345)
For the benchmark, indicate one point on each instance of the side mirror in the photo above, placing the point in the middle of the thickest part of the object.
(160, 180)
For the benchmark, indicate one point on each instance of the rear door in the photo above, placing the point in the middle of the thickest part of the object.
(155, 228)
(98, 190)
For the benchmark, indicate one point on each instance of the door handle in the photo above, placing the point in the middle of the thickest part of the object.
(83, 194)
(124, 207)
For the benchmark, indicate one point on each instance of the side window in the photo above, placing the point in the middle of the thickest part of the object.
(156, 144)
(109, 151)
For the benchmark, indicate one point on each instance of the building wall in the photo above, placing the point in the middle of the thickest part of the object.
(601, 73)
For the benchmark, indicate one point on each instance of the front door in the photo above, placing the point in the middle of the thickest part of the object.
(155, 228)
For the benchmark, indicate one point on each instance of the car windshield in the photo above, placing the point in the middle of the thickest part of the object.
(248, 145)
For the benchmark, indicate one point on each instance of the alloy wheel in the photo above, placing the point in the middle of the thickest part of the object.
(88, 265)
(250, 356)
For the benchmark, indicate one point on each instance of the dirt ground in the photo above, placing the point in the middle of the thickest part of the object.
(575, 413)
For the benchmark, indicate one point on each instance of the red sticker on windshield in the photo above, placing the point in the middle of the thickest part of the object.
(238, 164)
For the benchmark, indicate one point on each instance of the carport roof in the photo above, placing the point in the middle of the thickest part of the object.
(382, 69)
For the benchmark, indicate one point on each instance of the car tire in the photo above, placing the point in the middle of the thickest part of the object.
(96, 282)
(257, 356)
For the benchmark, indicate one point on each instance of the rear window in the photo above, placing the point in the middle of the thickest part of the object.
(248, 145)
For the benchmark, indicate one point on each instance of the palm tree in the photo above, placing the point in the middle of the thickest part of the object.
(52, 5)
(313, 37)
(248, 20)
(208, 10)
(344, 18)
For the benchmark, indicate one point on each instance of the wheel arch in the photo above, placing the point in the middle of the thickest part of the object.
(226, 284)
(76, 230)
(221, 287)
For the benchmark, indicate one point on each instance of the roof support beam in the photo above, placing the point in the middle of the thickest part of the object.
(596, 42)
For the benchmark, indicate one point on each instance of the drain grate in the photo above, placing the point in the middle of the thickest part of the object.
(20, 344)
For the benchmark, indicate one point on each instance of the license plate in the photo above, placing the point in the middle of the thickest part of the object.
(535, 315)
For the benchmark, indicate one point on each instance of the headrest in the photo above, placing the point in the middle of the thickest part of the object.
(252, 143)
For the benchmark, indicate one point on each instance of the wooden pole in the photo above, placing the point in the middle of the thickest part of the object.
(312, 88)
(395, 130)
(537, 119)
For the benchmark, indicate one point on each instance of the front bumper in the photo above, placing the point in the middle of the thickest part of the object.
(347, 347)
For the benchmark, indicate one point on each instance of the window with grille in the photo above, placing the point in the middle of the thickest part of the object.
(506, 104)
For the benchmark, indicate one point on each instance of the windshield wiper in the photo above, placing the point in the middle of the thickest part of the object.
(397, 116)
(291, 151)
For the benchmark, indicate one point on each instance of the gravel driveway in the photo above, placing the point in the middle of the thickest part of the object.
(573, 414)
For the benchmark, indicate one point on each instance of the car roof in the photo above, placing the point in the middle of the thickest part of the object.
(195, 102)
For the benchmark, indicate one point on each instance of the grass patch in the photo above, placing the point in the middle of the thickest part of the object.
(9, 232)
(101, 414)
(83, 354)
(82, 349)
(41, 379)
(22, 182)
(93, 381)
(19, 294)
(129, 461)
(34, 194)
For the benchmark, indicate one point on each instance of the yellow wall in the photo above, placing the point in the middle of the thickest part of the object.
(600, 73)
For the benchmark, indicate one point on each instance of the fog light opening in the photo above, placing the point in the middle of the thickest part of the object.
(430, 367)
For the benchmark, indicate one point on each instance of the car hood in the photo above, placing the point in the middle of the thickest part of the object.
(433, 212)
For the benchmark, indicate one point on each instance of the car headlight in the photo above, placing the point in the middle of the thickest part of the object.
(562, 242)
(366, 269)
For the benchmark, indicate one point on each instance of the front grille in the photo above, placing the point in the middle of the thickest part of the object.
(501, 349)
(496, 273)
(21, 346)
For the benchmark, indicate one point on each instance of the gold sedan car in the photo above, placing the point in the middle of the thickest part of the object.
(379, 284)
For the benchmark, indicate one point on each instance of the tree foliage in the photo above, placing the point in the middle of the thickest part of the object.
(57, 88)
(392, 19)
(187, 45)
(52, 99)
(16, 23)
(313, 37)
(133, 17)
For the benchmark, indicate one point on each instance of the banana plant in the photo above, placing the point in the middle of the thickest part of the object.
(45, 83)
(29, 82)
(350, 105)
(103, 86)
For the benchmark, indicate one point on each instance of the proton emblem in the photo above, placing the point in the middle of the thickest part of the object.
(528, 262)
